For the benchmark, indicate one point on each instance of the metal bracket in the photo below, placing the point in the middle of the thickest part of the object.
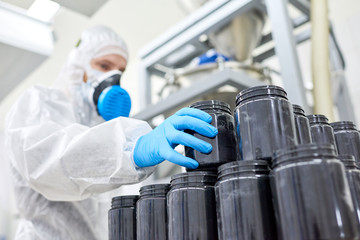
(207, 84)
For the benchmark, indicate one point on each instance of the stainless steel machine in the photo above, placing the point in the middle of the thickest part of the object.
(233, 28)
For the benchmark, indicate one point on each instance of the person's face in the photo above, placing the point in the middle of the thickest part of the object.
(107, 63)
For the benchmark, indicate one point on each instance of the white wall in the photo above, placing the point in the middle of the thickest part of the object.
(7, 204)
(345, 16)
(140, 21)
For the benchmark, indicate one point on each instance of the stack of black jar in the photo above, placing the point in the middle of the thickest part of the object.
(274, 173)
(191, 199)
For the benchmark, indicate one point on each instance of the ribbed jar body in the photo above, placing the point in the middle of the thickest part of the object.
(151, 211)
(264, 122)
(321, 131)
(224, 144)
(311, 194)
(243, 201)
(192, 206)
(122, 218)
(302, 126)
(347, 138)
(353, 177)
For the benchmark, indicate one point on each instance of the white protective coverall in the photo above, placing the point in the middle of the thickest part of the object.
(65, 159)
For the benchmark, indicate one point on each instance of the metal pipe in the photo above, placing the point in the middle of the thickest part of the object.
(322, 92)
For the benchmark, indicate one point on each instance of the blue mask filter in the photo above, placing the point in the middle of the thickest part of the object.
(110, 99)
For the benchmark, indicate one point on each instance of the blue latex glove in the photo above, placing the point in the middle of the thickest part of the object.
(159, 144)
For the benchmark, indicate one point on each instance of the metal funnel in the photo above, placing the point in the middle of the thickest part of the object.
(238, 38)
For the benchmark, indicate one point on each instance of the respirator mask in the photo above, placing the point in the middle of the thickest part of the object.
(111, 100)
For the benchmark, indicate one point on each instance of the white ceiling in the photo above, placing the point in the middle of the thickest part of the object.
(25, 4)
(85, 7)
(25, 42)
(15, 65)
(138, 22)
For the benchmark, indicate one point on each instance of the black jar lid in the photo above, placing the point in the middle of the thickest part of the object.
(124, 201)
(303, 152)
(260, 91)
(195, 177)
(318, 119)
(348, 161)
(298, 110)
(154, 190)
(343, 125)
(244, 166)
(209, 105)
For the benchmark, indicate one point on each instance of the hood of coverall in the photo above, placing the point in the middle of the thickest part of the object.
(94, 42)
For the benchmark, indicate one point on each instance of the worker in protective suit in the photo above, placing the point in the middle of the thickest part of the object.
(73, 144)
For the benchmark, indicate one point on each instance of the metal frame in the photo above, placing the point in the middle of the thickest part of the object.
(213, 81)
(286, 51)
(341, 94)
(211, 17)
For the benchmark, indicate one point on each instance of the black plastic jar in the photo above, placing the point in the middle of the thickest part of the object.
(244, 202)
(302, 125)
(347, 138)
(264, 122)
(192, 206)
(311, 194)
(224, 145)
(122, 218)
(321, 131)
(152, 213)
(353, 177)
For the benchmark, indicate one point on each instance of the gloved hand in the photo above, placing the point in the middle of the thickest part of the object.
(159, 144)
